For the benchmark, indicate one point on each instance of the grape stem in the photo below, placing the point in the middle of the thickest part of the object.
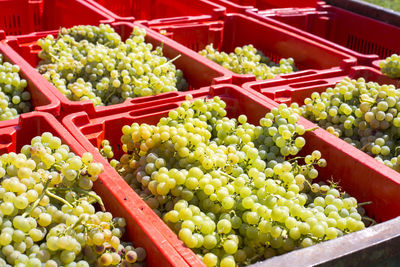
(84, 192)
(109, 95)
(252, 259)
(396, 151)
(312, 129)
(296, 158)
(364, 147)
(373, 222)
(333, 184)
(171, 60)
(78, 222)
(364, 203)
(55, 58)
(309, 184)
(162, 47)
(147, 197)
(59, 198)
(60, 34)
(36, 203)
(227, 175)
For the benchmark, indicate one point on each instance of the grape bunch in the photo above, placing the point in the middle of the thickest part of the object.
(92, 63)
(47, 211)
(249, 60)
(103, 34)
(234, 192)
(364, 114)
(391, 66)
(14, 100)
(107, 152)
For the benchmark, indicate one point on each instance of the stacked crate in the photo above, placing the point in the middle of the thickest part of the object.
(327, 44)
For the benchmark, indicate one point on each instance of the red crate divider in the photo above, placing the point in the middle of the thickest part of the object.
(196, 69)
(26, 16)
(360, 36)
(238, 30)
(42, 99)
(358, 173)
(130, 10)
(111, 188)
(296, 90)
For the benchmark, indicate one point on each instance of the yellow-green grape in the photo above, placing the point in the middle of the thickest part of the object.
(14, 100)
(249, 60)
(48, 214)
(103, 34)
(106, 151)
(364, 114)
(391, 66)
(92, 63)
(233, 192)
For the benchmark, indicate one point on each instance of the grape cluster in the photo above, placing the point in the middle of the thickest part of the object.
(92, 63)
(14, 100)
(364, 114)
(249, 60)
(233, 191)
(391, 66)
(47, 211)
(107, 152)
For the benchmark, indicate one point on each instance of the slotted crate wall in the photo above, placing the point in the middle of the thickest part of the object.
(361, 34)
(25, 16)
(130, 10)
(243, 5)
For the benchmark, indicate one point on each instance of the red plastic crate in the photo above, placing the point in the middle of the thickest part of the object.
(196, 69)
(343, 29)
(41, 98)
(129, 10)
(117, 200)
(372, 9)
(238, 6)
(26, 16)
(238, 30)
(295, 90)
(359, 174)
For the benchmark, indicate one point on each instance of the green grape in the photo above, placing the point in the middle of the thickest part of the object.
(49, 221)
(391, 66)
(93, 63)
(249, 60)
(14, 100)
(210, 259)
(366, 120)
(226, 187)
